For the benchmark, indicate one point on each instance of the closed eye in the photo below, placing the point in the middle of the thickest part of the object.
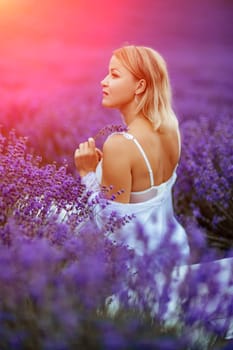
(114, 75)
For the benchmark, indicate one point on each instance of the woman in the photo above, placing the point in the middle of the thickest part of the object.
(142, 161)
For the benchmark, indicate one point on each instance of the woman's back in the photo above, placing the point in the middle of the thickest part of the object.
(161, 148)
(124, 165)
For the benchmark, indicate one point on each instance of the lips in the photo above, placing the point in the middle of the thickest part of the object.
(105, 93)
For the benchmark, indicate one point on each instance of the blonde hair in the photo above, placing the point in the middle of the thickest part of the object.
(155, 103)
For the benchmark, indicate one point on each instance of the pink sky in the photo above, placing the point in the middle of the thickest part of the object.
(50, 46)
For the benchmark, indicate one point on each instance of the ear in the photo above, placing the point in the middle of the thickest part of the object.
(141, 87)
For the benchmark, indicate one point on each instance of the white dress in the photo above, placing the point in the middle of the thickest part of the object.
(152, 208)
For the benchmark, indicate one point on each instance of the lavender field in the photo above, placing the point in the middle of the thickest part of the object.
(56, 279)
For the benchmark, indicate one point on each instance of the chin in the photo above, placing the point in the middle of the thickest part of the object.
(106, 104)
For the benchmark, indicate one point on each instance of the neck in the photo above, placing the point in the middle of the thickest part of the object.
(128, 112)
(130, 116)
(140, 123)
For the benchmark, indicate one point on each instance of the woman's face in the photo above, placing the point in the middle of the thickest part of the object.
(119, 86)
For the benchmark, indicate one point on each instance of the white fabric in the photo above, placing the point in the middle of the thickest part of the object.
(155, 214)
(131, 137)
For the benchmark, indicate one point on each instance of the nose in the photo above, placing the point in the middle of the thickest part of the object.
(104, 82)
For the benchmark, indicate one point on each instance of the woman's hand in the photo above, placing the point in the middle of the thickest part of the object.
(86, 157)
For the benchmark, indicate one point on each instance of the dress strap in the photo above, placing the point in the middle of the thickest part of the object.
(131, 137)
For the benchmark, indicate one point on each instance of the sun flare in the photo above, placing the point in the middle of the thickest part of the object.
(7, 6)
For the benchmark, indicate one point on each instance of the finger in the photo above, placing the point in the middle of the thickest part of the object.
(77, 152)
(99, 153)
(86, 147)
(91, 143)
(81, 147)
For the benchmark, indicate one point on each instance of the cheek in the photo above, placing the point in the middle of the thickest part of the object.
(120, 92)
(123, 89)
(126, 93)
(120, 98)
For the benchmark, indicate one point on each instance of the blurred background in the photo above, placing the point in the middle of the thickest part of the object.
(51, 50)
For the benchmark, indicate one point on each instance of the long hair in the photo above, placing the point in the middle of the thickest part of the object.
(155, 103)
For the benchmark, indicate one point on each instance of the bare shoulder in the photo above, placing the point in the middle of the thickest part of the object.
(117, 166)
(115, 143)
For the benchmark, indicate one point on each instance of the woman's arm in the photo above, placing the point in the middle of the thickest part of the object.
(117, 168)
(116, 174)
